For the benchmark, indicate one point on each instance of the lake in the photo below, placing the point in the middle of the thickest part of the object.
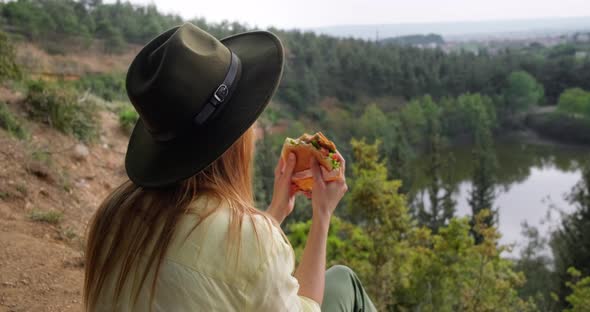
(532, 176)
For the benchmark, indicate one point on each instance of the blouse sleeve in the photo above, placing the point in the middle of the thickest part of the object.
(274, 285)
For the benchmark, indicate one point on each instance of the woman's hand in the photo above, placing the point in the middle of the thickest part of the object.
(283, 195)
(324, 199)
(325, 196)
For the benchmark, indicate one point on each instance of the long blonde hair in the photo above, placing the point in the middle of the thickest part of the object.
(137, 218)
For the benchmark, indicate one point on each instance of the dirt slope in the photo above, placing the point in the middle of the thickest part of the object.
(41, 264)
(74, 61)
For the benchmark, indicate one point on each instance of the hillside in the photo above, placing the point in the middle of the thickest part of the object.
(74, 63)
(48, 191)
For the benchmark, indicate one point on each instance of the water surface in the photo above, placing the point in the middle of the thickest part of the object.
(531, 178)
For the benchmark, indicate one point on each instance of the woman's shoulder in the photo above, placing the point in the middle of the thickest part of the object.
(209, 239)
(214, 219)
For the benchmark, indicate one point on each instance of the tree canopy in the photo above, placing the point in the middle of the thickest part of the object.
(522, 92)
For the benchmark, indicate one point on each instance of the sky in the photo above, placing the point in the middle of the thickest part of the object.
(303, 14)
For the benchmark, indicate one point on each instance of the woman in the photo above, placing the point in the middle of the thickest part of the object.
(183, 234)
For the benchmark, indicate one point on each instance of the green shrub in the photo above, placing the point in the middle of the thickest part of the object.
(42, 156)
(107, 86)
(575, 101)
(128, 117)
(115, 42)
(9, 122)
(579, 299)
(8, 67)
(63, 109)
(522, 92)
(49, 216)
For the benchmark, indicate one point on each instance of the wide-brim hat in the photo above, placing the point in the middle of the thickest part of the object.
(196, 96)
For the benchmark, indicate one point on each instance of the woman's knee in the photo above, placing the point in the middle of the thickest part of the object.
(341, 270)
(339, 290)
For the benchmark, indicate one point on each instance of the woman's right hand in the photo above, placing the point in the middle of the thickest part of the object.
(325, 196)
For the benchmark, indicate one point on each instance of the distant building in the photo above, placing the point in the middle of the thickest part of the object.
(430, 41)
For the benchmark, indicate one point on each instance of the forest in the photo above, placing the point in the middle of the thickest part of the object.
(385, 104)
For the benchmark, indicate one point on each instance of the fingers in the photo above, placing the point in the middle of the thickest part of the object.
(342, 166)
(318, 178)
(282, 167)
(290, 165)
(279, 167)
(342, 161)
(344, 187)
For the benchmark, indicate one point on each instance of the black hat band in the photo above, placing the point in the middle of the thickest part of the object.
(222, 94)
(216, 102)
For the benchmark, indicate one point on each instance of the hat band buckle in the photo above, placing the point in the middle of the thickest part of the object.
(216, 102)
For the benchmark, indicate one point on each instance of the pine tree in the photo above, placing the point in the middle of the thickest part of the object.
(571, 242)
(536, 266)
(483, 191)
(441, 206)
(400, 156)
(385, 219)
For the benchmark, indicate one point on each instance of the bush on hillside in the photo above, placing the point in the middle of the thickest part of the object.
(63, 108)
(8, 67)
(11, 124)
(49, 216)
(110, 87)
(127, 118)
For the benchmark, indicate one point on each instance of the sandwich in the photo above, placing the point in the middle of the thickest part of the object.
(305, 147)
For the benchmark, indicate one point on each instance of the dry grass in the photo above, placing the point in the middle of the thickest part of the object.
(46, 216)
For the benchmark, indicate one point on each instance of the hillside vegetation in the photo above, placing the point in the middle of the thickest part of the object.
(64, 131)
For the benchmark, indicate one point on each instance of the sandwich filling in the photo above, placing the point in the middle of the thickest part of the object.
(305, 174)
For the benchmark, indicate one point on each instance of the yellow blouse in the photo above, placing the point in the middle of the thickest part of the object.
(199, 273)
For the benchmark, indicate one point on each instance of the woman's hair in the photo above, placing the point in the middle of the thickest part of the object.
(135, 222)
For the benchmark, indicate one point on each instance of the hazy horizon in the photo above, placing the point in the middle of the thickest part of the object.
(307, 14)
(464, 29)
(463, 21)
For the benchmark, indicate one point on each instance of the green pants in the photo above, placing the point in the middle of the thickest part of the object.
(344, 292)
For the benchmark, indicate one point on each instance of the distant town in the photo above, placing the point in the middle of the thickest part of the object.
(494, 43)
(472, 36)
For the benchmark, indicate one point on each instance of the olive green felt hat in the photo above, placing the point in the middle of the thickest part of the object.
(196, 96)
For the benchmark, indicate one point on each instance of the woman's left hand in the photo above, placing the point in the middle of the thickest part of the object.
(283, 197)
